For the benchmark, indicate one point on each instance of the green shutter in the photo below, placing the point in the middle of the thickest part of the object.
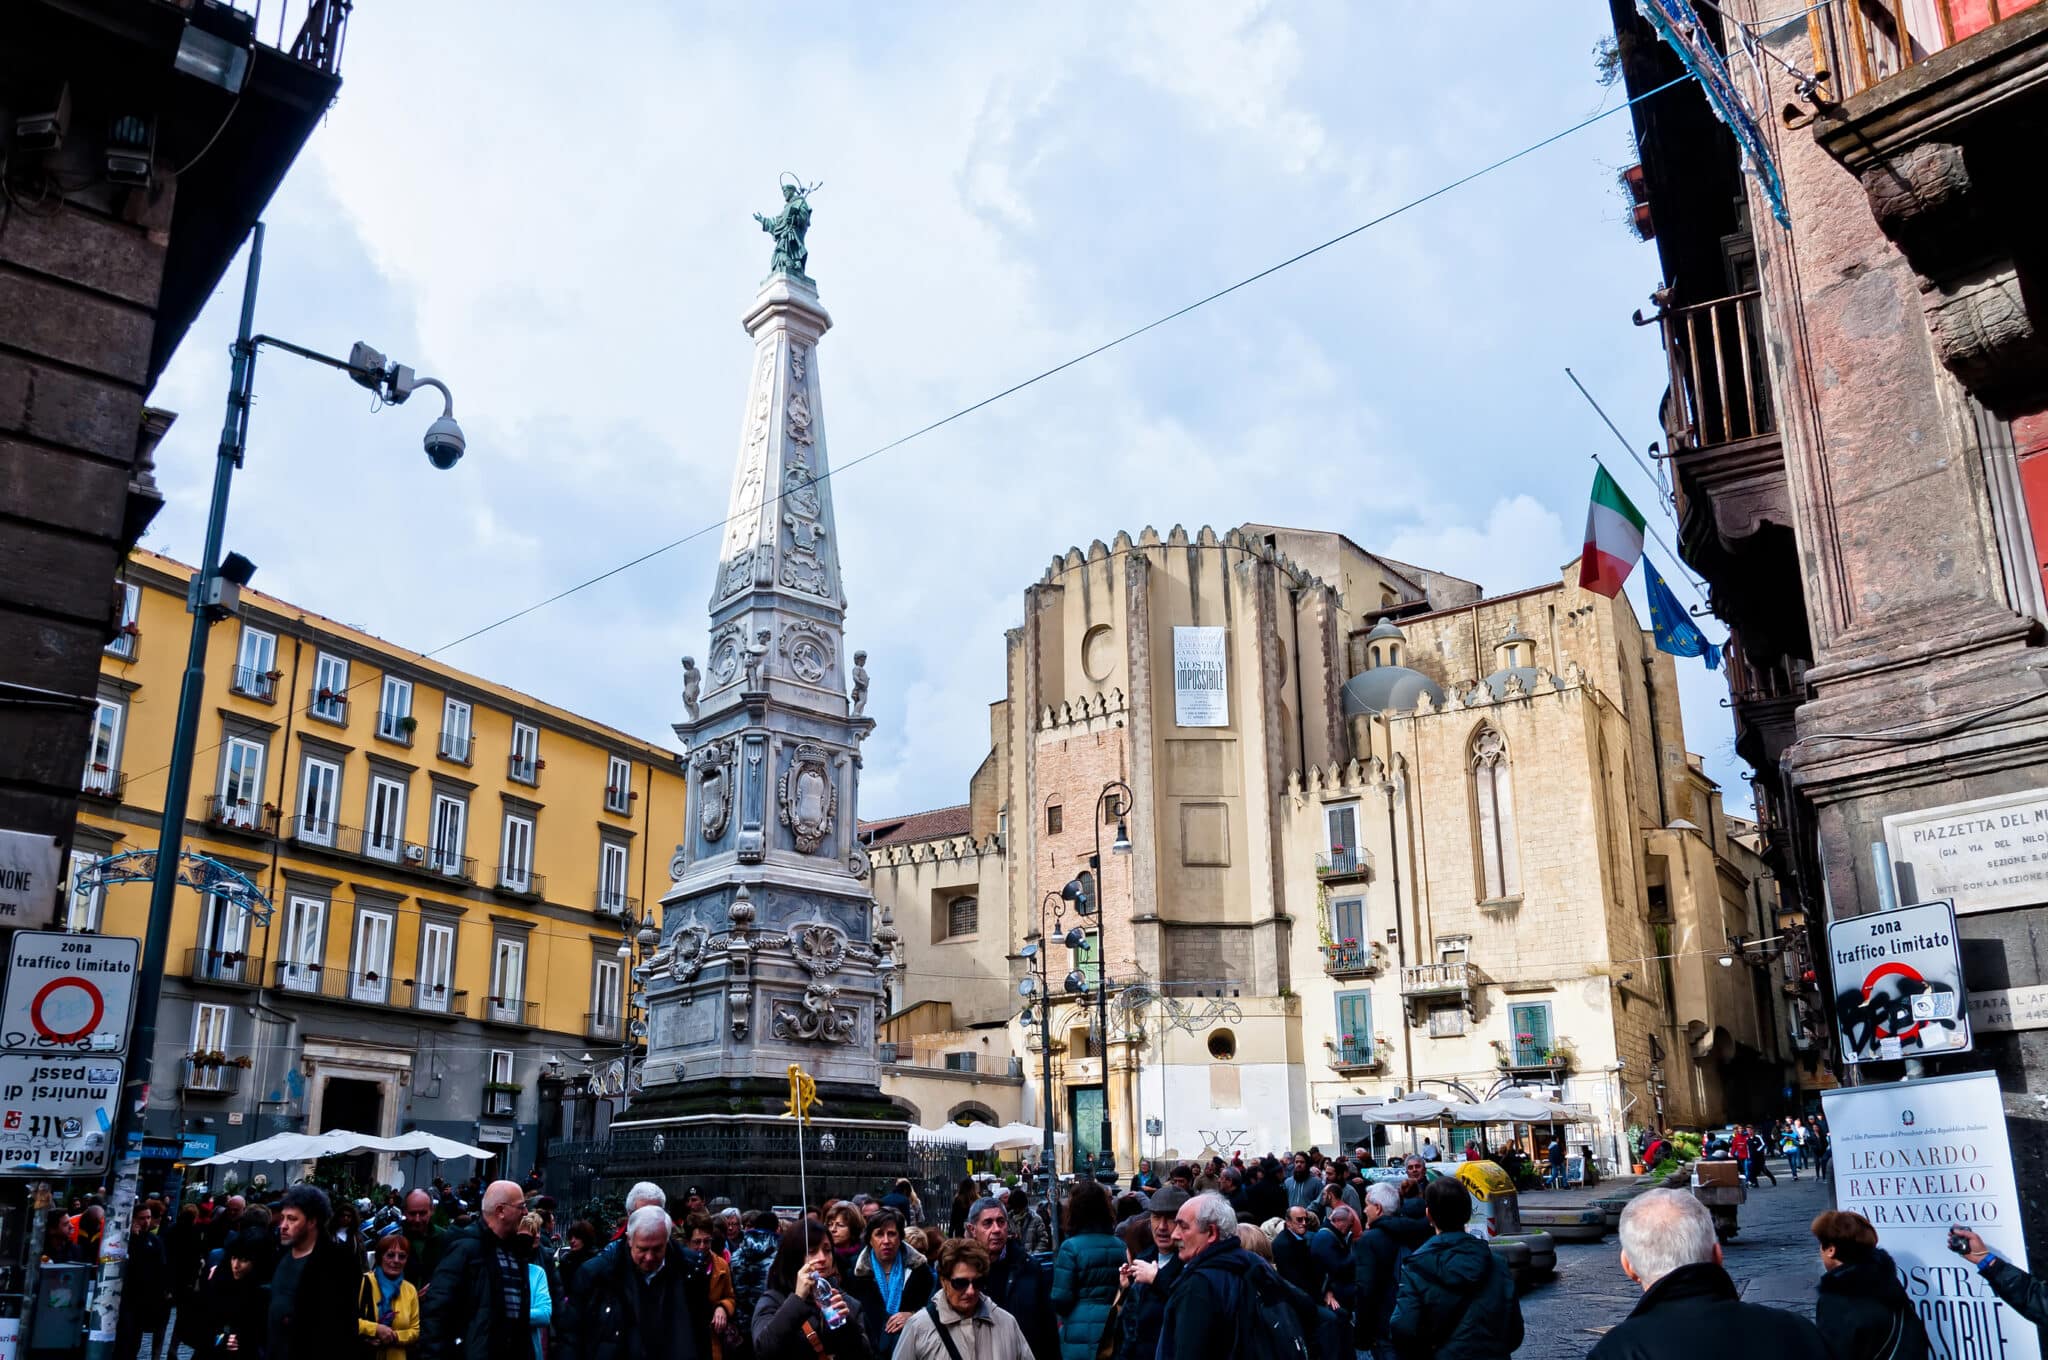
(1534, 1021)
(1354, 1018)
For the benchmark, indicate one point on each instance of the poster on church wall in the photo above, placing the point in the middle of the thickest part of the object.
(1914, 1157)
(1201, 685)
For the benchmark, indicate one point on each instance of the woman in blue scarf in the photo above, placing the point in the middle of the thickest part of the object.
(891, 1281)
(387, 1306)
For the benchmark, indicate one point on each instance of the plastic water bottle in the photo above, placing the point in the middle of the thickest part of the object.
(830, 1307)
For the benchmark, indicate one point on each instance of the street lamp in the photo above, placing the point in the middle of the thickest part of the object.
(1037, 956)
(1084, 891)
(211, 597)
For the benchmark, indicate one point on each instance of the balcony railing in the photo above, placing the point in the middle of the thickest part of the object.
(433, 998)
(518, 878)
(328, 704)
(609, 903)
(455, 746)
(212, 1079)
(446, 863)
(240, 814)
(372, 987)
(324, 832)
(1719, 379)
(1439, 979)
(393, 726)
(1348, 1051)
(522, 769)
(1348, 958)
(255, 684)
(315, 41)
(103, 781)
(603, 1024)
(500, 1102)
(509, 1010)
(1861, 42)
(1342, 864)
(227, 967)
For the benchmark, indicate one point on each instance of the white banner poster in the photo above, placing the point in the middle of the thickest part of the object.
(1201, 684)
(31, 873)
(1914, 1157)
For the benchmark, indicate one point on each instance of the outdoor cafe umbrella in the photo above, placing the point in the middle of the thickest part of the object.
(307, 1147)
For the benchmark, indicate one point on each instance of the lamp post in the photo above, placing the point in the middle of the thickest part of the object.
(212, 597)
(1037, 955)
(1084, 891)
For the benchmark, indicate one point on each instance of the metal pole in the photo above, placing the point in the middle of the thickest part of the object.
(128, 1114)
(1105, 1152)
(1052, 1177)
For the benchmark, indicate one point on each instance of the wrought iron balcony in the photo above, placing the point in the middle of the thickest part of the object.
(1343, 864)
(521, 880)
(446, 862)
(212, 1078)
(435, 998)
(1719, 377)
(522, 769)
(329, 705)
(1350, 1052)
(373, 987)
(1351, 958)
(609, 903)
(103, 781)
(456, 746)
(609, 1025)
(224, 967)
(509, 1010)
(251, 683)
(395, 726)
(239, 814)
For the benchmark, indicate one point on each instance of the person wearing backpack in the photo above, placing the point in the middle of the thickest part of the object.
(1390, 1237)
(1456, 1301)
(1228, 1304)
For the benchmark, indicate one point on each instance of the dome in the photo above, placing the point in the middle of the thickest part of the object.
(1388, 689)
(1497, 683)
(1385, 629)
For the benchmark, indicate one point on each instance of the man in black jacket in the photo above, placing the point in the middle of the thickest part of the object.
(1689, 1305)
(1291, 1256)
(1150, 1275)
(477, 1304)
(1377, 1255)
(649, 1302)
(313, 1286)
(2022, 1293)
(1202, 1310)
(1015, 1283)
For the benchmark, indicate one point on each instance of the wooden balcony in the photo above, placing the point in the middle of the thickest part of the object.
(1861, 43)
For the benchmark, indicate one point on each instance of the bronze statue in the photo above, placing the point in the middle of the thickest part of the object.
(788, 228)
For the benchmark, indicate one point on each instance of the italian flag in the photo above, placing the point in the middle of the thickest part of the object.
(1614, 538)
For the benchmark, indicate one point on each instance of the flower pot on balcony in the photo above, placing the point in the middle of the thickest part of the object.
(408, 725)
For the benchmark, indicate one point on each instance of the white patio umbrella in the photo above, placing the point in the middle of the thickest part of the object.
(1414, 1110)
(306, 1147)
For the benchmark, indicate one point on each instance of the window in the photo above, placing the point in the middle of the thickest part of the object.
(394, 711)
(501, 1066)
(1342, 826)
(82, 906)
(1088, 958)
(1531, 1024)
(209, 1036)
(436, 981)
(455, 730)
(611, 878)
(1446, 1021)
(515, 862)
(963, 917)
(1453, 949)
(256, 664)
(501, 1098)
(963, 1062)
(330, 688)
(1500, 873)
(525, 765)
(123, 644)
(1354, 1029)
(606, 984)
(223, 941)
(103, 756)
(444, 843)
(508, 979)
(370, 978)
(319, 797)
(241, 782)
(305, 938)
(1055, 818)
(385, 834)
(618, 784)
(1348, 945)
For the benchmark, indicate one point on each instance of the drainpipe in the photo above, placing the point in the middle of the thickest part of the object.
(1400, 937)
(1657, 744)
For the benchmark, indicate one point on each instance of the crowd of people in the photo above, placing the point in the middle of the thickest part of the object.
(1175, 1268)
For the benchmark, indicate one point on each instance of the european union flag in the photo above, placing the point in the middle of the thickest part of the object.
(1673, 626)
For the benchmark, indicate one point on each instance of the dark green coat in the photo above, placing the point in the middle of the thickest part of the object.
(2026, 1295)
(1456, 1302)
(1084, 1284)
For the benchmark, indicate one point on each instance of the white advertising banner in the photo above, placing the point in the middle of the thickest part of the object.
(1915, 1157)
(1983, 855)
(1201, 683)
(1901, 979)
(31, 876)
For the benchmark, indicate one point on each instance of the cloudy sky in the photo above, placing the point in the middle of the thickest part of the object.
(550, 207)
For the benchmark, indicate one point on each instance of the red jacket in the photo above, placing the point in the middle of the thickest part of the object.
(1739, 1146)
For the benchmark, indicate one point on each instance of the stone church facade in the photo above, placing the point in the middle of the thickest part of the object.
(1427, 841)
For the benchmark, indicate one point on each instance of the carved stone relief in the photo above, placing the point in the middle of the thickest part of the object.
(819, 946)
(807, 649)
(800, 491)
(686, 952)
(726, 647)
(715, 765)
(807, 798)
(816, 1016)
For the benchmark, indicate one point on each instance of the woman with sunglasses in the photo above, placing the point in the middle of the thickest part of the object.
(960, 1322)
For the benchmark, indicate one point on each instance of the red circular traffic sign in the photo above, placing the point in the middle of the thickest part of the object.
(50, 989)
(1881, 972)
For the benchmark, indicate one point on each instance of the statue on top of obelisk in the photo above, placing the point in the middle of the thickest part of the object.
(788, 227)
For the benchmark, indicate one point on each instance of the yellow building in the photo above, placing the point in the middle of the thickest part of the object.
(455, 872)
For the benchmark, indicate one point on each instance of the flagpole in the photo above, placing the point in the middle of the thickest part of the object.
(1663, 501)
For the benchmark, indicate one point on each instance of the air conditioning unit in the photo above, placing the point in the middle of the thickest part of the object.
(415, 854)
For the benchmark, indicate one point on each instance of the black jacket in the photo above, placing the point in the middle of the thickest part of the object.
(229, 1306)
(465, 1301)
(1456, 1302)
(1201, 1312)
(1376, 1257)
(614, 1314)
(1863, 1312)
(1694, 1311)
(778, 1329)
(1021, 1287)
(322, 1323)
(920, 1282)
(1337, 1273)
(1144, 1310)
(1297, 1266)
(2022, 1293)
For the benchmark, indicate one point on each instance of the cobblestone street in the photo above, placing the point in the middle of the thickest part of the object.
(1773, 1261)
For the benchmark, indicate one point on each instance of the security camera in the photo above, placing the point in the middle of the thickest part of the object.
(444, 443)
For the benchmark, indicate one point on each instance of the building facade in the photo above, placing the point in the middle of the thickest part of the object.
(1859, 403)
(1385, 834)
(456, 875)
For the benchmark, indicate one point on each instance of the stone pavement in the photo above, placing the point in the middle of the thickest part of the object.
(1773, 1261)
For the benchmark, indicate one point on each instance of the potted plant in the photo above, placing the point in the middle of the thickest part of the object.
(503, 1088)
(632, 795)
(408, 725)
(539, 764)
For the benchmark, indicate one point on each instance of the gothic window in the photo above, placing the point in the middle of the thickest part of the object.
(1494, 823)
(963, 917)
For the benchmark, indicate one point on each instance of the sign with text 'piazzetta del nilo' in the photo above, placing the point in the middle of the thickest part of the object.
(1982, 855)
(1914, 1157)
(1201, 678)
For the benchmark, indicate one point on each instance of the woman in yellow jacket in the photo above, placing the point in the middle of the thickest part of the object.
(388, 1307)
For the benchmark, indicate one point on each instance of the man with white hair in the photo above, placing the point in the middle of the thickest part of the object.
(651, 1301)
(476, 1307)
(1390, 1236)
(1689, 1305)
(1215, 1270)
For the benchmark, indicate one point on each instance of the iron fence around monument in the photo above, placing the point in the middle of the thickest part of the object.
(755, 1165)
